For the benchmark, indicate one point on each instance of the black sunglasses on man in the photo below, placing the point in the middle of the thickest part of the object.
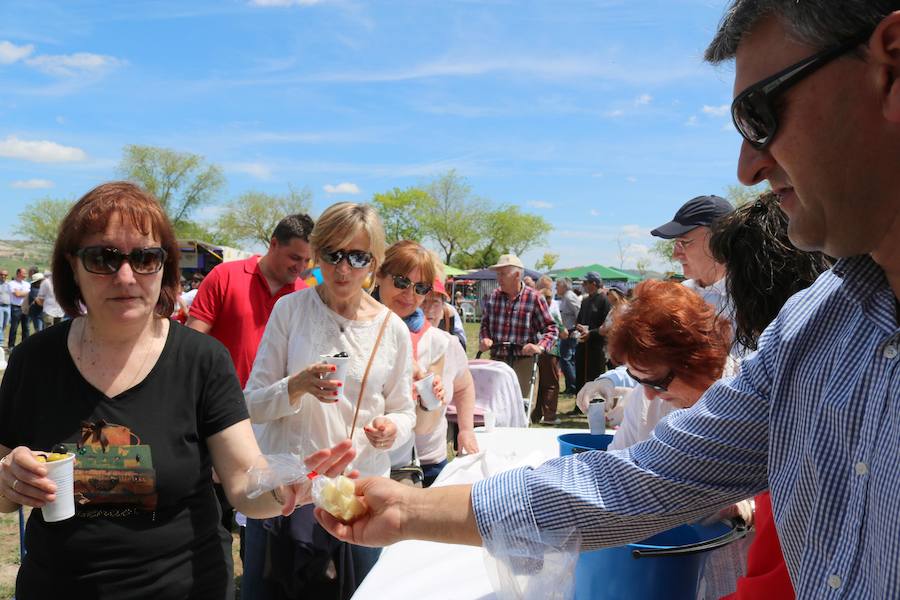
(754, 110)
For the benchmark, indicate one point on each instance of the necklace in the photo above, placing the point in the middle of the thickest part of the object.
(335, 317)
(147, 352)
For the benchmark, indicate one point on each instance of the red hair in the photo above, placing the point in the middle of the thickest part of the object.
(671, 325)
(90, 215)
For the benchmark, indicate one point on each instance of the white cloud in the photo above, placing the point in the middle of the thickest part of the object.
(692, 121)
(595, 212)
(32, 184)
(341, 188)
(643, 99)
(634, 231)
(39, 151)
(597, 174)
(270, 3)
(631, 179)
(258, 170)
(614, 113)
(10, 53)
(61, 120)
(71, 65)
(539, 204)
(716, 111)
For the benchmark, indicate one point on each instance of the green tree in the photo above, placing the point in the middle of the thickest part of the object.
(401, 212)
(192, 230)
(663, 250)
(739, 195)
(181, 181)
(454, 218)
(40, 220)
(547, 262)
(252, 216)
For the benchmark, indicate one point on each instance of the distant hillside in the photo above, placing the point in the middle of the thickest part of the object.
(24, 253)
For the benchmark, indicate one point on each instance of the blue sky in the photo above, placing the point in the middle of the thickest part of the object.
(599, 116)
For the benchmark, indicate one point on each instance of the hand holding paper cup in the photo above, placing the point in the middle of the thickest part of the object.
(61, 470)
(425, 389)
(340, 361)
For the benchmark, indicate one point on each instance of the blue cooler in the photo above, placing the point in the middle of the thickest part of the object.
(667, 565)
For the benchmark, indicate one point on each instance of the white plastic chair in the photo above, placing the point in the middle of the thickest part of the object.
(468, 311)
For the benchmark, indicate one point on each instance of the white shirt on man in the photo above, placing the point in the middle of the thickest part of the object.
(18, 286)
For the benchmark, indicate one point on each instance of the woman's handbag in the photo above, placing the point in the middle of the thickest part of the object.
(410, 474)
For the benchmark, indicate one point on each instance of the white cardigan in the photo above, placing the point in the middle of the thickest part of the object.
(301, 329)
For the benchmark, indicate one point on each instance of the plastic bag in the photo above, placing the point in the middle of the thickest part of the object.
(274, 470)
(541, 569)
(337, 495)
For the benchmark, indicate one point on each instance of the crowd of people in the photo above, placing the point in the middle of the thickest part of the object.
(765, 385)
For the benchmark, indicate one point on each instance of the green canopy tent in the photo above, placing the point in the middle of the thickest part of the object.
(453, 271)
(606, 273)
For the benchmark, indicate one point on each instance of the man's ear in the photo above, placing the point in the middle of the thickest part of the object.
(884, 52)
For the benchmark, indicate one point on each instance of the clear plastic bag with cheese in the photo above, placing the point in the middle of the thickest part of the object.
(337, 496)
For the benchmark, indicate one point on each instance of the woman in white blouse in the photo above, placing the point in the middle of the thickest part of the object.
(293, 403)
(404, 280)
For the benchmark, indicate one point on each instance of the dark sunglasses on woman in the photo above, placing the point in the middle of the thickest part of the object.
(754, 110)
(401, 283)
(102, 260)
(660, 385)
(358, 259)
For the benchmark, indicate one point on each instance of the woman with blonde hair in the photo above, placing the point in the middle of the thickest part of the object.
(296, 404)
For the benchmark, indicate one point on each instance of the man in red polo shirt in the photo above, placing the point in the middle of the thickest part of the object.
(236, 298)
(233, 305)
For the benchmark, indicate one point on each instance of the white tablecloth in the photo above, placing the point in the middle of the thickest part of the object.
(497, 388)
(432, 571)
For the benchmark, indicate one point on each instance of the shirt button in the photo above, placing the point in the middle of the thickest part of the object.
(861, 468)
(834, 582)
(890, 352)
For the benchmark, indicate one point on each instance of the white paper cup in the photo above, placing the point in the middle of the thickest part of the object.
(62, 472)
(425, 388)
(340, 374)
(490, 420)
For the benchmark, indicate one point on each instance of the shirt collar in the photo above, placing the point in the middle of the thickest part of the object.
(861, 276)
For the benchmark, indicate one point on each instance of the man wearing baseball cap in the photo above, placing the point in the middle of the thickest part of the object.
(516, 322)
(690, 228)
(590, 355)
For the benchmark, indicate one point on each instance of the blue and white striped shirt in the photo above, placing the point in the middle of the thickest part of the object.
(814, 416)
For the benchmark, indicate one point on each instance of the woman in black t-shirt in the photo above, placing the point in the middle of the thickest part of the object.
(147, 406)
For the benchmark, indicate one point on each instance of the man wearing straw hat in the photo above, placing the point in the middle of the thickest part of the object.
(516, 323)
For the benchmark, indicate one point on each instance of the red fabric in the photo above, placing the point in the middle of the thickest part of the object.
(767, 575)
(522, 320)
(234, 299)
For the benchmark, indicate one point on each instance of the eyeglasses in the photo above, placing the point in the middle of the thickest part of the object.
(753, 110)
(101, 260)
(357, 259)
(660, 385)
(401, 283)
(681, 243)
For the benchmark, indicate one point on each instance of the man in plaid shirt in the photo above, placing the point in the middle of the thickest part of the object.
(516, 320)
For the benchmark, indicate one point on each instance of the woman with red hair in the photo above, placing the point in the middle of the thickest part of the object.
(674, 345)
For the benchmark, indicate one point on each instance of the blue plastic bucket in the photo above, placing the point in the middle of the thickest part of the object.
(667, 565)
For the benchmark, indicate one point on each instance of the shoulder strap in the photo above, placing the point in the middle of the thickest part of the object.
(362, 385)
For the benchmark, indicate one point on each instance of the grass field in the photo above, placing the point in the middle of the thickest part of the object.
(9, 532)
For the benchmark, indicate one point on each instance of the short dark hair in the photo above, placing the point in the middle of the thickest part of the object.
(763, 268)
(90, 215)
(299, 225)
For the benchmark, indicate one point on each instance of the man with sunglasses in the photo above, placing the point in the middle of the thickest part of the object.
(516, 323)
(814, 415)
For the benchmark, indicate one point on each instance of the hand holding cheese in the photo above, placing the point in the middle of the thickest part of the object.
(338, 497)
